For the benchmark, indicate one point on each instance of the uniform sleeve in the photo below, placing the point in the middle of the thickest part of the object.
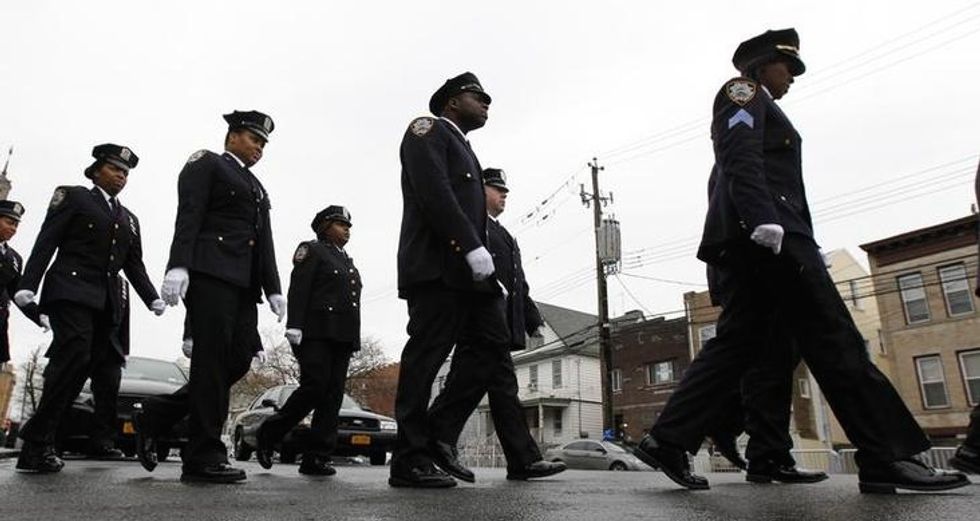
(31, 310)
(301, 286)
(135, 270)
(739, 127)
(532, 316)
(55, 223)
(270, 269)
(424, 159)
(193, 192)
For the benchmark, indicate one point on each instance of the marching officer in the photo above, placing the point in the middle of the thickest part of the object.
(95, 237)
(324, 329)
(11, 265)
(759, 236)
(444, 271)
(476, 370)
(967, 457)
(221, 259)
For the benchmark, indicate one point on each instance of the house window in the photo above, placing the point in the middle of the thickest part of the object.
(913, 298)
(804, 385)
(852, 286)
(440, 382)
(932, 382)
(556, 423)
(617, 380)
(660, 372)
(532, 377)
(970, 365)
(956, 290)
(706, 333)
(556, 382)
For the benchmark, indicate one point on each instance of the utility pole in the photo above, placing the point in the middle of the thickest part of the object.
(596, 200)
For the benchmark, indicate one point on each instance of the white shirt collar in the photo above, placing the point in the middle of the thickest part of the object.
(456, 127)
(492, 218)
(233, 156)
(105, 194)
(766, 90)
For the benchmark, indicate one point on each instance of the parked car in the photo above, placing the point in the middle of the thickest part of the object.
(359, 431)
(141, 377)
(595, 455)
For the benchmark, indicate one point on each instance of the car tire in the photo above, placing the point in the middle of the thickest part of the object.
(617, 465)
(379, 458)
(242, 451)
(163, 453)
(287, 456)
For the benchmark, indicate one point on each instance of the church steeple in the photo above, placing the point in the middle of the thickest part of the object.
(4, 181)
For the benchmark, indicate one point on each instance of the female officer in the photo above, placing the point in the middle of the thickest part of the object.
(324, 329)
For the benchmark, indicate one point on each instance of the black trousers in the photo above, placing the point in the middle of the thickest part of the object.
(973, 431)
(223, 322)
(438, 319)
(322, 373)
(795, 283)
(82, 347)
(476, 371)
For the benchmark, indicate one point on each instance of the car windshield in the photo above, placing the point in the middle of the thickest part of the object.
(612, 447)
(348, 402)
(156, 370)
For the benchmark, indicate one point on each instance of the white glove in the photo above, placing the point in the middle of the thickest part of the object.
(481, 262)
(261, 357)
(826, 259)
(294, 336)
(158, 306)
(277, 303)
(23, 297)
(187, 347)
(45, 323)
(538, 332)
(770, 236)
(175, 284)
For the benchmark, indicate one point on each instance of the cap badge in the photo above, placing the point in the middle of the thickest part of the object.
(18, 209)
(740, 91)
(125, 154)
(267, 124)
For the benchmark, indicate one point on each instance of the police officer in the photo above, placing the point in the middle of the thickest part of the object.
(324, 328)
(95, 236)
(759, 235)
(444, 270)
(476, 371)
(967, 457)
(11, 265)
(221, 259)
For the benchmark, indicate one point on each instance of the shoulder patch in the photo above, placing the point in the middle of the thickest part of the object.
(421, 126)
(740, 91)
(196, 155)
(58, 197)
(302, 252)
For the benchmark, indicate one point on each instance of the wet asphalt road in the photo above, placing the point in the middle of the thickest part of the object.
(122, 490)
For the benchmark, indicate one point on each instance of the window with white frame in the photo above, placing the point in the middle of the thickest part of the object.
(556, 424)
(913, 298)
(660, 372)
(932, 382)
(556, 381)
(532, 377)
(706, 333)
(956, 290)
(970, 365)
(804, 386)
(617, 380)
(852, 286)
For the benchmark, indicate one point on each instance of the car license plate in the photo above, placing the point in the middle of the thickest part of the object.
(360, 439)
(128, 428)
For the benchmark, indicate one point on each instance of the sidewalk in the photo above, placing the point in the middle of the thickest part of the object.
(6, 453)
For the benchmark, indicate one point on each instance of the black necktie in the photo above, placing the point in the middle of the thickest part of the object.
(114, 206)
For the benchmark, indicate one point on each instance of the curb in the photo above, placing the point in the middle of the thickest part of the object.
(9, 454)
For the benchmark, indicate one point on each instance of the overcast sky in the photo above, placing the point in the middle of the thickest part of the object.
(890, 92)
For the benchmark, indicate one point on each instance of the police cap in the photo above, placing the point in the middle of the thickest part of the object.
(118, 155)
(770, 46)
(11, 209)
(466, 82)
(252, 120)
(495, 177)
(331, 213)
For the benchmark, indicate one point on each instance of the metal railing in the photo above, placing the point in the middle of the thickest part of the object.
(830, 461)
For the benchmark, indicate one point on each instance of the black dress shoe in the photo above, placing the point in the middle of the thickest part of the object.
(445, 456)
(966, 459)
(146, 444)
(214, 473)
(265, 448)
(726, 446)
(767, 471)
(907, 474)
(672, 461)
(422, 476)
(538, 469)
(316, 466)
(39, 459)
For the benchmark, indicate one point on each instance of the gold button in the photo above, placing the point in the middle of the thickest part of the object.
(113, 241)
(329, 308)
(452, 242)
(335, 272)
(112, 257)
(354, 304)
(232, 192)
(468, 176)
(458, 248)
(117, 226)
(221, 238)
(90, 225)
(73, 274)
(787, 141)
(354, 293)
(251, 242)
(351, 270)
